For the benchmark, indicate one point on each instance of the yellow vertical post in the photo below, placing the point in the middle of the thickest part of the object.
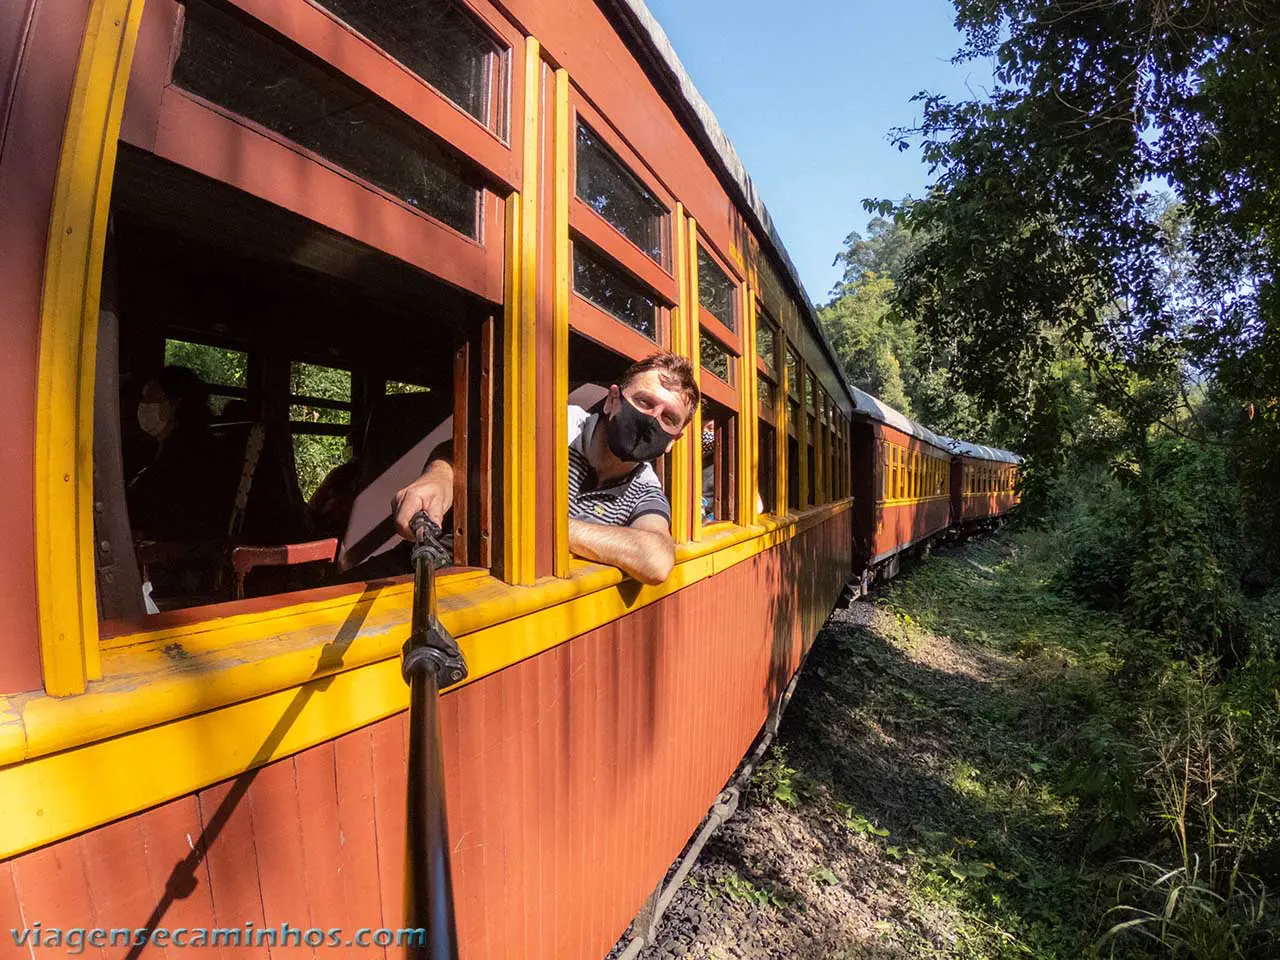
(693, 328)
(68, 611)
(802, 434)
(560, 320)
(519, 342)
(782, 417)
(748, 440)
(679, 340)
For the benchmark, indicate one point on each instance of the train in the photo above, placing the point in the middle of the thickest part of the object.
(364, 229)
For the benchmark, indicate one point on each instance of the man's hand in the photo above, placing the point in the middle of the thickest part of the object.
(643, 550)
(432, 492)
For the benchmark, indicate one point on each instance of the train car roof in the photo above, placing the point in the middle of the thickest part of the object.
(649, 33)
(979, 452)
(876, 409)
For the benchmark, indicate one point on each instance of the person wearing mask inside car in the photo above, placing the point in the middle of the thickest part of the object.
(618, 513)
(181, 494)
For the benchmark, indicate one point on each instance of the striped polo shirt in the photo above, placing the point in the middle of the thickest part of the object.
(621, 502)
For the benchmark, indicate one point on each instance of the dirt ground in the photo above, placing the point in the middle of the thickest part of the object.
(822, 859)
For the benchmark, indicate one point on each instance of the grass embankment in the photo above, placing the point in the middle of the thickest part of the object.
(971, 767)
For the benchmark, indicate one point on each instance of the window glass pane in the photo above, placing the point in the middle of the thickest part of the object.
(238, 68)
(793, 373)
(614, 293)
(606, 186)
(438, 40)
(765, 343)
(768, 393)
(715, 358)
(217, 367)
(811, 395)
(715, 290)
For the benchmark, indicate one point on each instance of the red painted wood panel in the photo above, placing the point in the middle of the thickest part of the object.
(902, 524)
(389, 757)
(179, 884)
(278, 842)
(574, 779)
(36, 113)
(232, 861)
(53, 891)
(120, 881)
(320, 853)
(357, 836)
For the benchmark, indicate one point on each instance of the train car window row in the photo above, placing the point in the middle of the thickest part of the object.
(443, 43)
(239, 68)
(285, 323)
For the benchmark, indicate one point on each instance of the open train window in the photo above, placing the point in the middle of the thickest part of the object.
(767, 466)
(264, 386)
(719, 462)
(593, 368)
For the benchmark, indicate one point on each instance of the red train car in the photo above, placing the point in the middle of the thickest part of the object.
(902, 491)
(380, 223)
(984, 483)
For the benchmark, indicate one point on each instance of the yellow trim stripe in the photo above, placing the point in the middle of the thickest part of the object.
(68, 612)
(73, 785)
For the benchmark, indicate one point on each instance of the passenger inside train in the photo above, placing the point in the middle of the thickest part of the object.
(264, 386)
(618, 512)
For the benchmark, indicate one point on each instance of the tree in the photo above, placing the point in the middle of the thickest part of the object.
(1040, 219)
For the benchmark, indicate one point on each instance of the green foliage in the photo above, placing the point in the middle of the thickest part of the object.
(315, 454)
(1157, 762)
(1187, 569)
(773, 778)
(215, 366)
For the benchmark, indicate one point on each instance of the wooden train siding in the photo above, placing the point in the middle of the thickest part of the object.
(574, 778)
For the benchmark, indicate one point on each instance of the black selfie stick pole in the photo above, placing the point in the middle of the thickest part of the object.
(431, 660)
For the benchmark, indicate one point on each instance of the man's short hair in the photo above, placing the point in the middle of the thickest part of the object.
(674, 373)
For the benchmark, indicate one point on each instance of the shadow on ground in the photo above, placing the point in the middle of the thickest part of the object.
(905, 812)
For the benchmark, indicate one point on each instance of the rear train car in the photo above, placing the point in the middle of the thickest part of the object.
(984, 484)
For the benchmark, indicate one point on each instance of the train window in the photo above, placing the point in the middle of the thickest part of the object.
(240, 69)
(766, 344)
(225, 372)
(715, 358)
(768, 396)
(716, 290)
(611, 190)
(811, 461)
(767, 466)
(718, 462)
(614, 292)
(292, 329)
(441, 42)
(793, 473)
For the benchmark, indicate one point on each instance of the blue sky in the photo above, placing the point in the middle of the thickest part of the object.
(807, 91)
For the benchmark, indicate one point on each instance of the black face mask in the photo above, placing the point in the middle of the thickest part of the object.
(635, 436)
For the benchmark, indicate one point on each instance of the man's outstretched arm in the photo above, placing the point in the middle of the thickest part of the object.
(643, 550)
